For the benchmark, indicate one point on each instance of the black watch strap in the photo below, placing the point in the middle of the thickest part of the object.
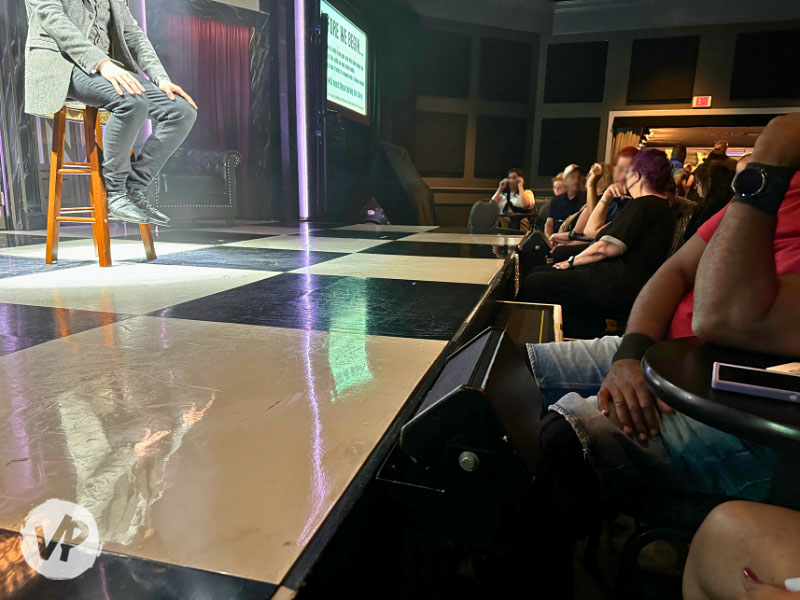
(769, 199)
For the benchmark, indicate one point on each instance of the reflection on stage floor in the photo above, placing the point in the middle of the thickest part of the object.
(209, 408)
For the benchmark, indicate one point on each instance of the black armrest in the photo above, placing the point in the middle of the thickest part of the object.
(222, 162)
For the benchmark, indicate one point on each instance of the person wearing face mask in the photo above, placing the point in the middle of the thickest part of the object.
(604, 279)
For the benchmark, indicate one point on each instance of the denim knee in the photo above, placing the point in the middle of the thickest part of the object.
(182, 113)
(133, 105)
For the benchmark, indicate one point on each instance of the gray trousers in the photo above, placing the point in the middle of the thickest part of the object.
(174, 121)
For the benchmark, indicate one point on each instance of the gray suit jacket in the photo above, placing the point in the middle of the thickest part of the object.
(58, 39)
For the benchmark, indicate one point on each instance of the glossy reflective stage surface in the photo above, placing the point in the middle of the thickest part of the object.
(210, 408)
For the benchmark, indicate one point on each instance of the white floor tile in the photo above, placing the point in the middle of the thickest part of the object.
(127, 288)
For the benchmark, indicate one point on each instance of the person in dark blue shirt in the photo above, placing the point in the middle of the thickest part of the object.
(567, 203)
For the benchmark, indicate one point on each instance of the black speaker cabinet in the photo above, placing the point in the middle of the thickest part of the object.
(532, 253)
(484, 409)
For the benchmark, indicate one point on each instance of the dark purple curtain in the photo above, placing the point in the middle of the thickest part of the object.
(211, 61)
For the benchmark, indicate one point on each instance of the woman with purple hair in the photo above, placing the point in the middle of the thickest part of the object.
(603, 281)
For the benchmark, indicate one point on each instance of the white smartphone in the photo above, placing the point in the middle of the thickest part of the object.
(756, 382)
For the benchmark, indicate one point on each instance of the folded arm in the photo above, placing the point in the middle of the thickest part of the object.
(597, 252)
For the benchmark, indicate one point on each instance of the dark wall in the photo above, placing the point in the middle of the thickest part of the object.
(474, 111)
(394, 36)
(658, 70)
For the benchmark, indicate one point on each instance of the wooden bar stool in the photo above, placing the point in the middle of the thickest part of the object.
(98, 209)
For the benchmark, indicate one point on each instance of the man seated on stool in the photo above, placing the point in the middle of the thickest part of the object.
(606, 436)
(68, 55)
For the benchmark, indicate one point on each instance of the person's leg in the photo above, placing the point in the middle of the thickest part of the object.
(579, 366)
(566, 288)
(128, 114)
(736, 535)
(174, 120)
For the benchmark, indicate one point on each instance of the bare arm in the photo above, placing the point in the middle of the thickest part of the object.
(597, 252)
(527, 197)
(739, 298)
(548, 227)
(624, 386)
(656, 304)
(499, 193)
(580, 225)
(591, 186)
(597, 220)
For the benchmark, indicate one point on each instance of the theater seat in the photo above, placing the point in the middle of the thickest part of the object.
(484, 214)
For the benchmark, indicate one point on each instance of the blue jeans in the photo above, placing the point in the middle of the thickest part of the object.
(687, 456)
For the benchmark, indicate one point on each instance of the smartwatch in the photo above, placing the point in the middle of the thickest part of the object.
(762, 186)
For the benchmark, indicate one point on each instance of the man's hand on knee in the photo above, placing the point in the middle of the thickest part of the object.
(625, 391)
(120, 78)
(172, 90)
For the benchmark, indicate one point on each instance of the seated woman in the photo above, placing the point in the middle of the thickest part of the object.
(713, 185)
(603, 281)
(603, 204)
(745, 550)
(511, 196)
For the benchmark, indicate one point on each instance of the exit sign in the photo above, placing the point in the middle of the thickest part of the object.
(701, 102)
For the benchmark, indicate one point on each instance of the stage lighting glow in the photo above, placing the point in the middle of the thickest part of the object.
(302, 110)
(6, 199)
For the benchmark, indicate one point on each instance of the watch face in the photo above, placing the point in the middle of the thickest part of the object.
(749, 182)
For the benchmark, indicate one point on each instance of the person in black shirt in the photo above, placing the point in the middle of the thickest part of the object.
(567, 203)
(603, 281)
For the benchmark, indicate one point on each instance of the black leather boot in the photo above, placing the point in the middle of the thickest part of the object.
(140, 199)
(121, 207)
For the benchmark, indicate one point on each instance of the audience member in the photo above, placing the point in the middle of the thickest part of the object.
(713, 183)
(567, 203)
(599, 211)
(616, 196)
(511, 196)
(604, 279)
(558, 185)
(735, 283)
(745, 550)
(678, 158)
(720, 153)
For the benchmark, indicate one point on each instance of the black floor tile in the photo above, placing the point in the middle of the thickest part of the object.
(361, 235)
(193, 236)
(441, 249)
(127, 578)
(11, 266)
(23, 326)
(389, 307)
(256, 259)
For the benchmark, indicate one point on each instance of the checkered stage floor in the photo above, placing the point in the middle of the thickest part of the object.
(210, 407)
